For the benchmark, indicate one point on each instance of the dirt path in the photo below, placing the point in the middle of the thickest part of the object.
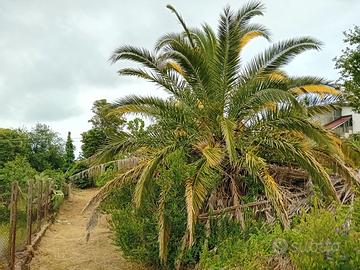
(64, 246)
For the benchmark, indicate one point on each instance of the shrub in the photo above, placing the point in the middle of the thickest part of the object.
(19, 170)
(135, 231)
(325, 240)
(249, 249)
(57, 199)
(4, 213)
(106, 176)
(321, 239)
(57, 176)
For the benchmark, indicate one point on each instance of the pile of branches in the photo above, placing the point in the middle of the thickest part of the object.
(297, 189)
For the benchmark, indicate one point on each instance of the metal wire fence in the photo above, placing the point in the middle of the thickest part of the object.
(21, 216)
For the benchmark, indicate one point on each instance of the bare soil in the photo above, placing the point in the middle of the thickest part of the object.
(64, 245)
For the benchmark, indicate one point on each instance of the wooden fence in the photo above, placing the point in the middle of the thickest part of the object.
(30, 207)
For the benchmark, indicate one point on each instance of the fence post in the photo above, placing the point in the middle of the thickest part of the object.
(69, 189)
(29, 213)
(38, 214)
(47, 183)
(12, 238)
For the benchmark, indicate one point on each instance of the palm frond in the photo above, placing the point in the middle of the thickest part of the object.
(197, 189)
(227, 128)
(120, 164)
(337, 164)
(257, 167)
(182, 23)
(114, 183)
(138, 55)
(212, 154)
(190, 209)
(279, 55)
(148, 170)
(248, 11)
(227, 53)
(164, 236)
(315, 89)
(252, 31)
(316, 171)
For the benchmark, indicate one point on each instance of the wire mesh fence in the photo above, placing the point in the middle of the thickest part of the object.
(22, 215)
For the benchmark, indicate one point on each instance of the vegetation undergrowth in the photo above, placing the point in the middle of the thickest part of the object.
(321, 239)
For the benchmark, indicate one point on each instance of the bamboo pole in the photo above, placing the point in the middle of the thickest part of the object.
(29, 213)
(12, 236)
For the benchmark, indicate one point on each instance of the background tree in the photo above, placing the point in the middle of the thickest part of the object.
(69, 151)
(104, 119)
(349, 65)
(104, 124)
(12, 143)
(47, 148)
(92, 140)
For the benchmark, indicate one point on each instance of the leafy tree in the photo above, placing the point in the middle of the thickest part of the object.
(136, 127)
(47, 149)
(69, 151)
(230, 120)
(92, 140)
(12, 143)
(104, 118)
(349, 65)
(104, 125)
(19, 170)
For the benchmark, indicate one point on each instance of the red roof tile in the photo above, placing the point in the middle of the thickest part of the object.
(338, 122)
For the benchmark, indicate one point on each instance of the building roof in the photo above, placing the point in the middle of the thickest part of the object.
(338, 122)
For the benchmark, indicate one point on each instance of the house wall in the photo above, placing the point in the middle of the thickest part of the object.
(324, 118)
(355, 118)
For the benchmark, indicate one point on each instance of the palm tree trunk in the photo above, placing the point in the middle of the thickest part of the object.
(239, 215)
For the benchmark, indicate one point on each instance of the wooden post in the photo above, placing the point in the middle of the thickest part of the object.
(12, 236)
(29, 213)
(47, 183)
(69, 189)
(38, 214)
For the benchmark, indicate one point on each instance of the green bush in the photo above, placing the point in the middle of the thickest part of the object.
(249, 249)
(326, 240)
(19, 170)
(106, 176)
(136, 230)
(57, 199)
(321, 239)
(57, 176)
(4, 213)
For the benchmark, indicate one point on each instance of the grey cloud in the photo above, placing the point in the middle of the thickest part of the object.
(52, 52)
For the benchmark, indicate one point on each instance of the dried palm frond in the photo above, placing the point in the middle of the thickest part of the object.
(109, 186)
(119, 164)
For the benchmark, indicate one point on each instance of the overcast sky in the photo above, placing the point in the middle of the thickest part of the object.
(54, 54)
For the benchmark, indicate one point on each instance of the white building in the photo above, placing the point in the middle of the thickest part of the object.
(343, 121)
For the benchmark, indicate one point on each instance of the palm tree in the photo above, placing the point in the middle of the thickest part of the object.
(232, 120)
